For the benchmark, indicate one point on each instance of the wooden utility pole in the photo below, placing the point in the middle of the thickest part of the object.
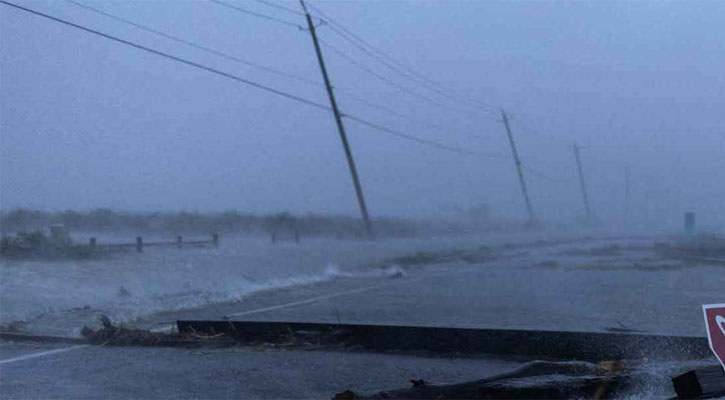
(340, 126)
(626, 194)
(517, 162)
(582, 183)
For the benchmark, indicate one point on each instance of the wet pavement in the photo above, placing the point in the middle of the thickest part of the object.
(159, 373)
(526, 288)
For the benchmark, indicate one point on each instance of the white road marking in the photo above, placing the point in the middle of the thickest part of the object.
(41, 354)
(310, 300)
(169, 327)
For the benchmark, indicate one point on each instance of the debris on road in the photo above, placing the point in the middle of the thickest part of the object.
(533, 380)
(112, 335)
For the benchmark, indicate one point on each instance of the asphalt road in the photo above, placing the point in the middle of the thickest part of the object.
(159, 373)
(510, 293)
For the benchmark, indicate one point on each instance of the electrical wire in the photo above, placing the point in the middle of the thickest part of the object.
(234, 58)
(534, 132)
(420, 140)
(195, 45)
(363, 45)
(398, 70)
(545, 177)
(408, 117)
(170, 56)
(280, 7)
(244, 81)
(256, 14)
(379, 76)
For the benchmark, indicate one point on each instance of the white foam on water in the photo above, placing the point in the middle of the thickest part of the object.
(129, 286)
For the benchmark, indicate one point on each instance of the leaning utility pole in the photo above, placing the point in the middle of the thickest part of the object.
(582, 183)
(340, 126)
(626, 194)
(517, 162)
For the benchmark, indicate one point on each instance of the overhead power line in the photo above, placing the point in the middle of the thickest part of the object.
(256, 14)
(234, 58)
(170, 56)
(395, 113)
(209, 50)
(281, 7)
(545, 177)
(379, 76)
(348, 92)
(235, 78)
(421, 140)
(535, 132)
(398, 70)
(387, 81)
(397, 66)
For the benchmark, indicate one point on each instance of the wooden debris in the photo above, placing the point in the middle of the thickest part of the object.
(112, 335)
(534, 380)
(702, 383)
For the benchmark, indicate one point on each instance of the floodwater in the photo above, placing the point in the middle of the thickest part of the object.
(538, 280)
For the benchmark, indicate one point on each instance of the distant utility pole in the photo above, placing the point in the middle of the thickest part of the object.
(582, 183)
(340, 126)
(626, 194)
(517, 162)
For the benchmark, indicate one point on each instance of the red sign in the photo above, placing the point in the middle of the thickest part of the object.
(715, 324)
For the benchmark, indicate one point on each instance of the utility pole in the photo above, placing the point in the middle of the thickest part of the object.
(626, 194)
(582, 183)
(517, 162)
(340, 126)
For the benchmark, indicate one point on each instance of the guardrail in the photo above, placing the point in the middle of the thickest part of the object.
(139, 244)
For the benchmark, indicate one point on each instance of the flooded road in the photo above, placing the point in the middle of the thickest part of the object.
(535, 280)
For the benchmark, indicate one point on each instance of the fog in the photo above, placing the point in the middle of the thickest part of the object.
(87, 123)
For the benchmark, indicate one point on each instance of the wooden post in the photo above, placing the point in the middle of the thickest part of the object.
(582, 183)
(139, 244)
(179, 241)
(92, 243)
(517, 162)
(689, 222)
(297, 236)
(215, 239)
(340, 126)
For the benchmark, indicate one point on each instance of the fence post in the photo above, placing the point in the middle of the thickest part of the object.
(297, 236)
(179, 242)
(215, 239)
(139, 244)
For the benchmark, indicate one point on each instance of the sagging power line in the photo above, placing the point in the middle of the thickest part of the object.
(256, 14)
(347, 92)
(197, 65)
(340, 113)
(170, 56)
(423, 141)
(280, 7)
(379, 76)
(197, 46)
(395, 65)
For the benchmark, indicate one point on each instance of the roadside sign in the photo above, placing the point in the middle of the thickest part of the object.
(715, 325)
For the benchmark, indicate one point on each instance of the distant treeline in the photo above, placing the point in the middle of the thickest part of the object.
(106, 220)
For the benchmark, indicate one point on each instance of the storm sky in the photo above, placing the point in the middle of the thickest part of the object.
(87, 122)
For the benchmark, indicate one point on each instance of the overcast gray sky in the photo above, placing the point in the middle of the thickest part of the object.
(86, 122)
